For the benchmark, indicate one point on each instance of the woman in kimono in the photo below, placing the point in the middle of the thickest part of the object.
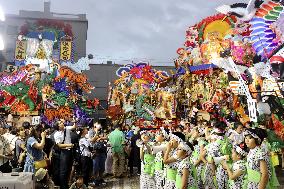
(170, 161)
(198, 140)
(159, 149)
(146, 177)
(259, 168)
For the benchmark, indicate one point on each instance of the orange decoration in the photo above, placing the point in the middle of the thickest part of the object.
(63, 112)
(78, 78)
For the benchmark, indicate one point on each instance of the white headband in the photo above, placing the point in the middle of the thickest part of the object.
(175, 137)
(145, 133)
(186, 148)
(164, 132)
(214, 136)
(247, 132)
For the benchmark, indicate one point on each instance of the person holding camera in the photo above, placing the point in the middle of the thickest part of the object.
(100, 155)
(86, 155)
(62, 139)
(5, 154)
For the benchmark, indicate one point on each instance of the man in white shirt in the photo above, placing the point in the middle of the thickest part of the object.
(62, 139)
(10, 137)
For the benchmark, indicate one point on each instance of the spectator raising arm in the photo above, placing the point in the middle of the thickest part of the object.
(40, 145)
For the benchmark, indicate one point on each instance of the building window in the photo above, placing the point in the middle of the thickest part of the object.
(12, 30)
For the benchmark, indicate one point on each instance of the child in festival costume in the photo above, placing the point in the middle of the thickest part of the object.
(159, 149)
(224, 148)
(146, 178)
(198, 140)
(209, 171)
(237, 173)
(186, 172)
(261, 174)
(216, 150)
(237, 135)
(170, 160)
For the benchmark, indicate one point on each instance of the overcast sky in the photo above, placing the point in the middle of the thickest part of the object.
(126, 30)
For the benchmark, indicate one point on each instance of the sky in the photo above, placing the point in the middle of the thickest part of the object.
(131, 30)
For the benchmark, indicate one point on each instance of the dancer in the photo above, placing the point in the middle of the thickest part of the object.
(237, 174)
(159, 150)
(147, 163)
(186, 172)
(170, 161)
(259, 168)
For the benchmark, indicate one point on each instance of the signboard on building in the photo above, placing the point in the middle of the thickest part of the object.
(65, 50)
(20, 51)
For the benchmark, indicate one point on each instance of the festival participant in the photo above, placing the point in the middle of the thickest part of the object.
(217, 147)
(99, 145)
(260, 172)
(223, 147)
(86, 161)
(198, 139)
(34, 147)
(5, 154)
(20, 149)
(134, 157)
(63, 140)
(147, 163)
(158, 149)
(237, 135)
(170, 161)
(117, 141)
(79, 183)
(237, 174)
(186, 172)
(43, 181)
(209, 169)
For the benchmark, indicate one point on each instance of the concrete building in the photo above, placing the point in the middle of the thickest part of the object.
(100, 75)
(11, 27)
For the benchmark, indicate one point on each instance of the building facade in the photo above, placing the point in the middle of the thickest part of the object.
(11, 27)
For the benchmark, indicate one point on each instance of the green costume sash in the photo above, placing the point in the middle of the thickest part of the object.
(148, 164)
(171, 174)
(159, 166)
(179, 182)
(255, 176)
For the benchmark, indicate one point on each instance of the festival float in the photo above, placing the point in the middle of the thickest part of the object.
(231, 68)
(139, 96)
(46, 81)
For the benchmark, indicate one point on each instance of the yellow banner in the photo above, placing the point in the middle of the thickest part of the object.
(20, 51)
(65, 50)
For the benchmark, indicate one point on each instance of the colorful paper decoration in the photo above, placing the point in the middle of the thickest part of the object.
(20, 51)
(272, 87)
(262, 35)
(219, 26)
(78, 78)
